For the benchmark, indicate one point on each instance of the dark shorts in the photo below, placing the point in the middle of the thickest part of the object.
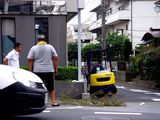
(48, 79)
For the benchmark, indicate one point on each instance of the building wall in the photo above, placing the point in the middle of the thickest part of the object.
(143, 19)
(25, 34)
(57, 37)
(121, 28)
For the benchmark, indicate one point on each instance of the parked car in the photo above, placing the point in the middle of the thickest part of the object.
(21, 91)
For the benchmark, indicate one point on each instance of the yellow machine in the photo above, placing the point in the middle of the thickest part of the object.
(102, 80)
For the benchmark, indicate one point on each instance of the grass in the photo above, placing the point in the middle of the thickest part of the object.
(106, 100)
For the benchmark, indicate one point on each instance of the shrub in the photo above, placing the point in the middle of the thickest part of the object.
(148, 63)
(67, 73)
(64, 73)
(24, 67)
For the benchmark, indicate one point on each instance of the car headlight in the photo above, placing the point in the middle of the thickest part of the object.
(32, 84)
(24, 80)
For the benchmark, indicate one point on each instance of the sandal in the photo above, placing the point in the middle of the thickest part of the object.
(55, 104)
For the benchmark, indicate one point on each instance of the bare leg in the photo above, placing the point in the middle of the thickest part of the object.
(53, 98)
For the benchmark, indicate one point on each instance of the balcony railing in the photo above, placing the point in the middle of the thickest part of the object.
(124, 6)
(118, 16)
(34, 7)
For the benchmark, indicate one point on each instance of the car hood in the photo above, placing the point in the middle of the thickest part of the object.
(10, 75)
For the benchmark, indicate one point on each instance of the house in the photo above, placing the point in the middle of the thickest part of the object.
(22, 20)
(152, 37)
(127, 17)
(158, 2)
(157, 6)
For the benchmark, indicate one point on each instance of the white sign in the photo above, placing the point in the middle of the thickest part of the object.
(80, 4)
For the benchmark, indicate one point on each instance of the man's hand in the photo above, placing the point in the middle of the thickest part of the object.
(56, 71)
(5, 61)
(30, 64)
(55, 64)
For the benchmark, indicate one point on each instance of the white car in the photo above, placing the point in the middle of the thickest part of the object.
(21, 92)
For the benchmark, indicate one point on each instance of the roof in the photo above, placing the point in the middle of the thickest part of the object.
(158, 2)
(151, 34)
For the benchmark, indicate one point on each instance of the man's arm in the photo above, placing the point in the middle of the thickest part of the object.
(30, 64)
(5, 61)
(55, 63)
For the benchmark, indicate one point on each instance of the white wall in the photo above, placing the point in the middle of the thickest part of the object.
(121, 26)
(144, 17)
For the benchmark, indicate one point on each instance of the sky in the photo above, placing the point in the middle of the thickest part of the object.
(87, 17)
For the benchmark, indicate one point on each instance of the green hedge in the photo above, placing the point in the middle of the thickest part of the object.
(67, 73)
(64, 73)
(24, 67)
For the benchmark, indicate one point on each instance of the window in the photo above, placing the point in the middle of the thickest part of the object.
(126, 27)
(8, 35)
(120, 31)
(41, 27)
(44, 7)
(21, 9)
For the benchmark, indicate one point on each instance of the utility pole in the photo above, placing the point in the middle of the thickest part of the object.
(80, 6)
(103, 12)
(79, 44)
(103, 34)
(105, 47)
(132, 21)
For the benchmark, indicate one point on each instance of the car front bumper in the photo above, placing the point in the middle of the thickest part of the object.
(18, 99)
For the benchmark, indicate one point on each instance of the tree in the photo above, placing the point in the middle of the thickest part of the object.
(127, 49)
(91, 47)
(72, 51)
(120, 46)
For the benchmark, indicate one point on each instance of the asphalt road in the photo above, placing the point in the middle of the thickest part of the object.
(141, 104)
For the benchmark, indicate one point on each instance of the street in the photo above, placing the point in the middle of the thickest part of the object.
(141, 104)
(50, 44)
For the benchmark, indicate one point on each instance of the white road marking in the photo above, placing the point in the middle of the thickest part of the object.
(46, 111)
(150, 93)
(142, 103)
(116, 113)
(157, 100)
(74, 107)
(136, 90)
(121, 87)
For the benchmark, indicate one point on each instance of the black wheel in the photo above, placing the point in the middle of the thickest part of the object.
(114, 90)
